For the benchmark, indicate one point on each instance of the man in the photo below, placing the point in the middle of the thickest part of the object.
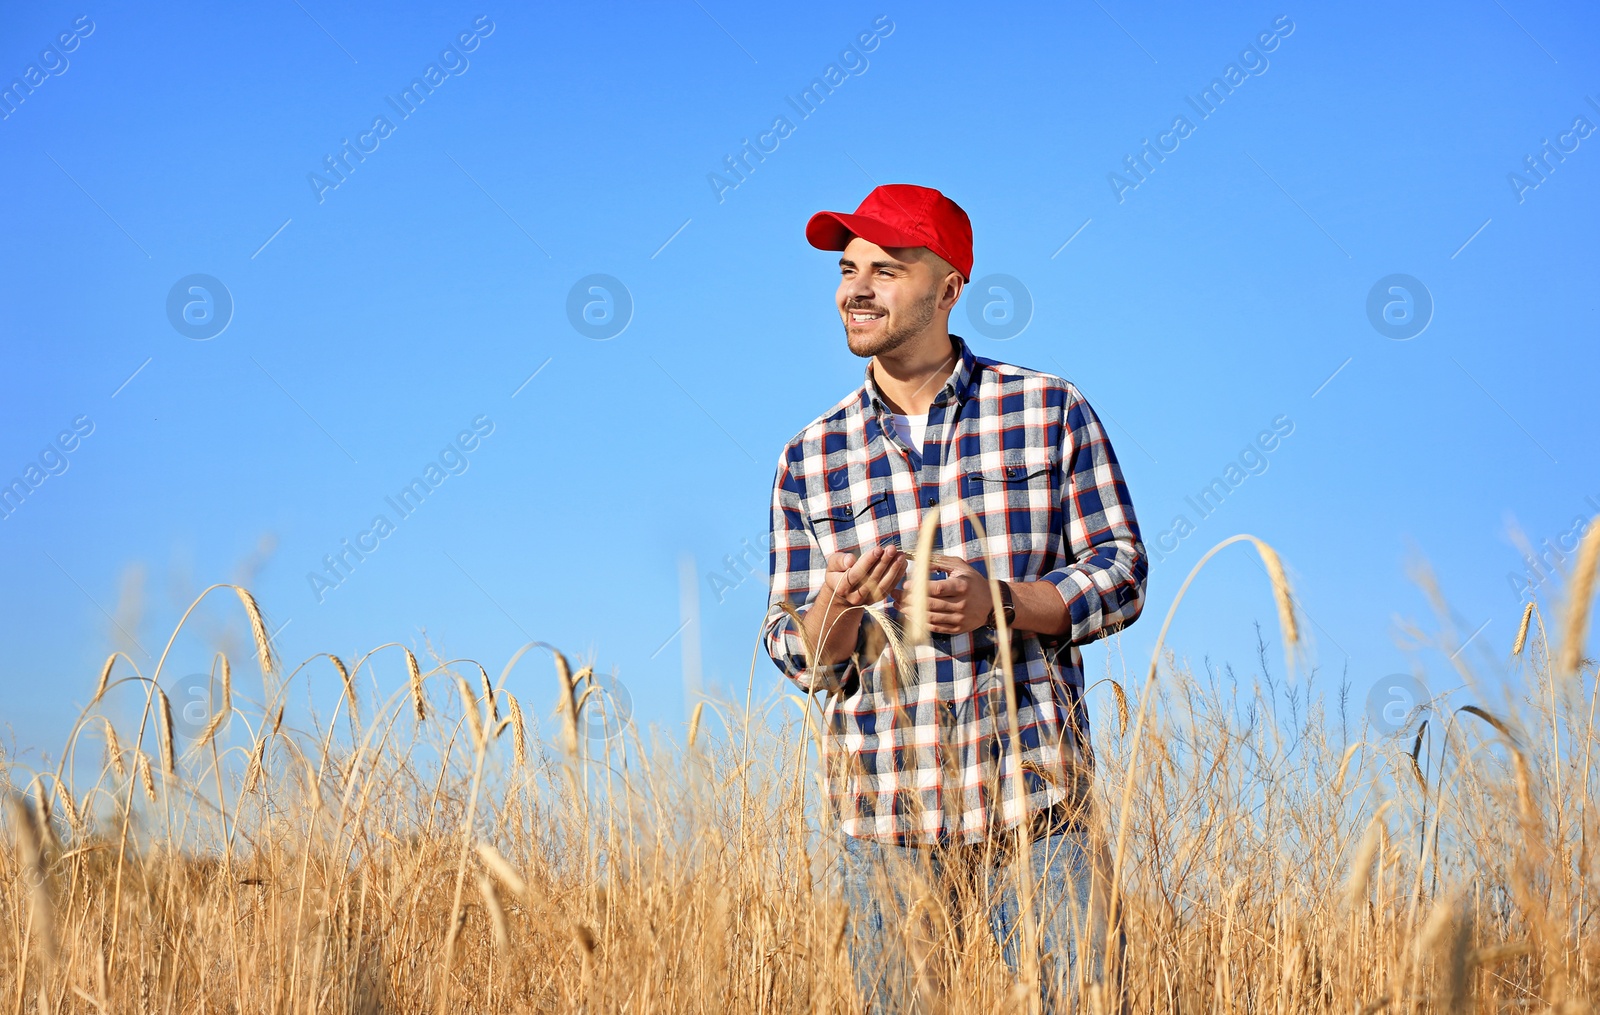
(920, 768)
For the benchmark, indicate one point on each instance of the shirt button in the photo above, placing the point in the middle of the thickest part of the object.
(933, 499)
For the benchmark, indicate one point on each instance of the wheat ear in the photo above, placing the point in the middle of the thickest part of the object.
(1580, 594)
(414, 673)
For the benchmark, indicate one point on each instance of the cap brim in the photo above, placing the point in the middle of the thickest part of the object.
(831, 230)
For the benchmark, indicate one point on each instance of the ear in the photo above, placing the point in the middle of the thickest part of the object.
(950, 290)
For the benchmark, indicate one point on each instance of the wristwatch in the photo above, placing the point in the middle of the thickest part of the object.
(1006, 609)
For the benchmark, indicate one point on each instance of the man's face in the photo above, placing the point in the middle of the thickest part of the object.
(886, 296)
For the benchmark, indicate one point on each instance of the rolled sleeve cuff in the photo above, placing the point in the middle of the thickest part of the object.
(788, 650)
(1078, 591)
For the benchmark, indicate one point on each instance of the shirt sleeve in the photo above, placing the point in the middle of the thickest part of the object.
(1104, 584)
(797, 566)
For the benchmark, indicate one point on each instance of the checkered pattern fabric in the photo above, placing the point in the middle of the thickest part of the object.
(930, 764)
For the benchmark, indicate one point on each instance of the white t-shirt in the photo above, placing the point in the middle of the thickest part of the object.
(910, 429)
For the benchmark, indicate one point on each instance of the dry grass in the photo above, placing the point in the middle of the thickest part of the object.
(434, 854)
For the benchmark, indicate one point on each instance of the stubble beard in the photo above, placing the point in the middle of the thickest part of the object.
(921, 315)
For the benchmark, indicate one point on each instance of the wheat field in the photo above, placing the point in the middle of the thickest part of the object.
(482, 841)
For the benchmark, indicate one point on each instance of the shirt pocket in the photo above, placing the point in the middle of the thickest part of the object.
(845, 526)
(1017, 497)
(1016, 469)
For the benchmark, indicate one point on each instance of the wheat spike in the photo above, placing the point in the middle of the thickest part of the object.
(1122, 707)
(1361, 869)
(1522, 630)
(114, 751)
(1448, 936)
(164, 723)
(258, 761)
(1281, 592)
(519, 732)
(1580, 595)
(568, 706)
(469, 705)
(917, 587)
(807, 653)
(901, 665)
(501, 868)
(105, 680)
(30, 850)
(142, 763)
(1416, 753)
(694, 723)
(493, 703)
(74, 818)
(222, 713)
(349, 686)
(43, 817)
(1489, 717)
(258, 632)
(1344, 766)
(313, 787)
(414, 673)
(497, 913)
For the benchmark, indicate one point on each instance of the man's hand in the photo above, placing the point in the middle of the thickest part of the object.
(963, 602)
(834, 619)
(960, 602)
(857, 582)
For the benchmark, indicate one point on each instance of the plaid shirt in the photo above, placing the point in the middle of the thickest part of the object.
(1028, 456)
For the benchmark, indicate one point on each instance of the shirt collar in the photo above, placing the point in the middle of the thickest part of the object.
(957, 387)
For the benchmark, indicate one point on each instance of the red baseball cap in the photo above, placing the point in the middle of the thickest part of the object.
(901, 215)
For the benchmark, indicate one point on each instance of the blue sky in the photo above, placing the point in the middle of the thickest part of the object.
(1221, 287)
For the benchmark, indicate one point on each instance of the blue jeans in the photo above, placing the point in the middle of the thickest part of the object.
(905, 900)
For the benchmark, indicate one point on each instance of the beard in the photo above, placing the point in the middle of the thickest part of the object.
(919, 316)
